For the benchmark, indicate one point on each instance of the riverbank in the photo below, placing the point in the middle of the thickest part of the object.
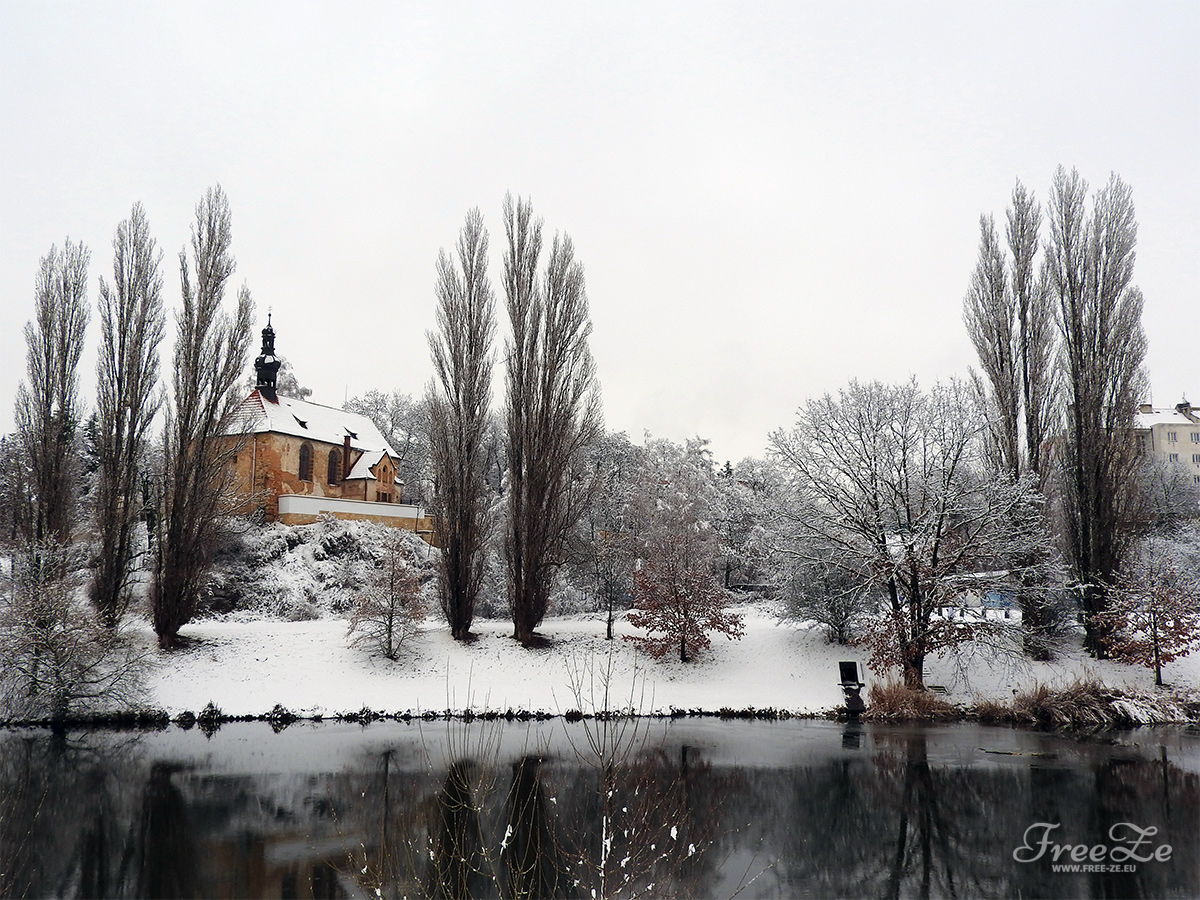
(242, 667)
(309, 668)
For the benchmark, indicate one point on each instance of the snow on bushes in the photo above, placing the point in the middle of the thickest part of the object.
(304, 572)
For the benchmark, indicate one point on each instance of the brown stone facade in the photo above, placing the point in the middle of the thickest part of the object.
(271, 464)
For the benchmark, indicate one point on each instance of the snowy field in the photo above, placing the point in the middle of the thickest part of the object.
(246, 667)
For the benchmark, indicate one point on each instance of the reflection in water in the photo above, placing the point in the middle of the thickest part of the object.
(930, 849)
(530, 850)
(167, 864)
(460, 864)
(702, 809)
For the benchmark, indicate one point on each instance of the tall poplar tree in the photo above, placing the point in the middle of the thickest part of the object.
(1089, 269)
(47, 408)
(552, 413)
(131, 328)
(458, 416)
(211, 348)
(1009, 315)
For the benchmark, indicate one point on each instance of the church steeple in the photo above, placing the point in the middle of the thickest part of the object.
(266, 367)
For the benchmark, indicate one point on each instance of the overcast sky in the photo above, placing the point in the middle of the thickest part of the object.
(768, 199)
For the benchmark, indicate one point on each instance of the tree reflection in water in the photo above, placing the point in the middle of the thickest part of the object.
(66, 810)
(530, 849)
(167, 864)
(460, 864)
(865, 811)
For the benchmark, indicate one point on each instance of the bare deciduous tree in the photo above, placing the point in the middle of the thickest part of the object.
(608, 532)
(388, 608)
(677, 596)
(890, 493)
(47, 410)
(820, 591)
(287, 384)
(1168, 495)
(553, 411)
(1089, 269)
(1154, 616)
(131, 327)
(404, 423)
(211, 349)
(458, 414)
(58, 660)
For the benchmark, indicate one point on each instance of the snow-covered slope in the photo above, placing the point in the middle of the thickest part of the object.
(247, 667)
(286, 594)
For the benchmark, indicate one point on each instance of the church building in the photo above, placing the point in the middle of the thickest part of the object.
(299, 460)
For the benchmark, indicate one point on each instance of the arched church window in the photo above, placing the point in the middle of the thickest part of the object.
(306, 462)
(335, 466)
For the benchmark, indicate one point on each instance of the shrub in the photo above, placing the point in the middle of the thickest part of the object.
(898, 702)
(59, 661)
(280, 717)
(389, 607)
(210, 719)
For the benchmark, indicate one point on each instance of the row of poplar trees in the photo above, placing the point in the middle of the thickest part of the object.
(1057, 324)
(552, 415)
(182, 495)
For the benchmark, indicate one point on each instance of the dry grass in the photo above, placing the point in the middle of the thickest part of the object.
(1081, 704)
(900, 703)
(994, 712)
(1090, 704)
(1085, 703)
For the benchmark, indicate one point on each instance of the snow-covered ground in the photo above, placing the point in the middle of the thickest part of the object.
(248, 666)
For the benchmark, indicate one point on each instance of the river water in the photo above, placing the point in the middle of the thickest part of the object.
(690, 807)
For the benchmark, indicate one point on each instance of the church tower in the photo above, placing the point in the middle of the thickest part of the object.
(266, 367)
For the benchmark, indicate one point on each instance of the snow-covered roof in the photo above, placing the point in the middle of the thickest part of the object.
(1147, 420)
(299, 418)
(366, 462)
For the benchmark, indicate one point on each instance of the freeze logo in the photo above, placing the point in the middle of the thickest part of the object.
(1127, 845)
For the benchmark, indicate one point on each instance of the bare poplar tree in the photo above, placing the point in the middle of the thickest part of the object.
(1035, 325)
(1009, 316)
(989, 312)
(47, 410)
(131, 328)
(210, 351)
(1089, 268)
(458, 408)
(553, 412)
